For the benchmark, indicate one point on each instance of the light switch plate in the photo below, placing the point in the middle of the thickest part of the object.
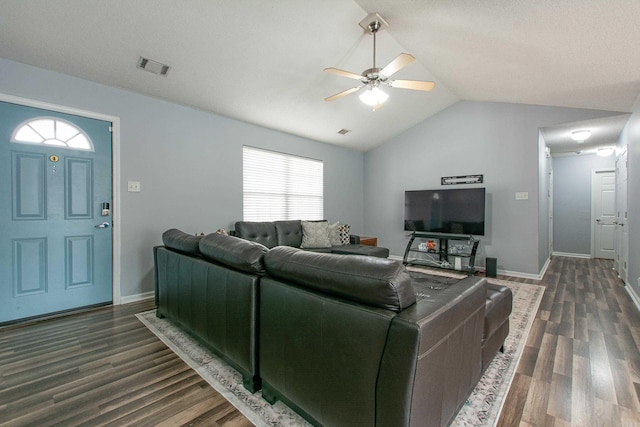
(522, 195)
(133, 186)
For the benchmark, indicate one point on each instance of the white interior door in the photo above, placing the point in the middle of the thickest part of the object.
(622, 230)
(603, 200)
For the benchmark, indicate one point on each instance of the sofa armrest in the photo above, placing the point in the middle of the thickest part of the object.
(432, 358)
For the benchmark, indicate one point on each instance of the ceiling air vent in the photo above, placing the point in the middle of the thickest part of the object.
(343, 131)
(152, 66)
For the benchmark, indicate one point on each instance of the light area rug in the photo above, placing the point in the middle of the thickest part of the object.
(482, 408)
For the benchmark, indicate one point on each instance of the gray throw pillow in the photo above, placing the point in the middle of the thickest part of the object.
(315, 234)
(334, 234)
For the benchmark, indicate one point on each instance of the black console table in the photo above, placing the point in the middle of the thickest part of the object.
(442, 250)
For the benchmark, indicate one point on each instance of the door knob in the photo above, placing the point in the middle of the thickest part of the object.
(103, 225)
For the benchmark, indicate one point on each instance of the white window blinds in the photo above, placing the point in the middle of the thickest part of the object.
(279, 186)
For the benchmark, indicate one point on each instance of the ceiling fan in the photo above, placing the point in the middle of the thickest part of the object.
(374, 77)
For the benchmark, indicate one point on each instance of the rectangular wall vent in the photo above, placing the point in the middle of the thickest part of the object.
(152, 66)
(343, 131)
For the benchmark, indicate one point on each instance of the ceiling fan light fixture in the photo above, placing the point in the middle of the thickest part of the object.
(373, 96)
(580, 135)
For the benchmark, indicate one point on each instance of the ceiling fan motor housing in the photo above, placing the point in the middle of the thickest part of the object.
(373, 19)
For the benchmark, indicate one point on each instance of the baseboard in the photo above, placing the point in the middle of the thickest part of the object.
(634, 297)
(571, 255)
(138, 297)
(632, 293)
(521, 275)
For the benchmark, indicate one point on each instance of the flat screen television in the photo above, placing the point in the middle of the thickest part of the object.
(451, 211)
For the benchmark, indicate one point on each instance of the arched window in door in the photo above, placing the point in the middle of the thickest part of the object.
(51, 131)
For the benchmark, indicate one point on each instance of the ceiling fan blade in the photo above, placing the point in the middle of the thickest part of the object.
(397, 64)
(412, 84)
(343, 93)
(343, 73)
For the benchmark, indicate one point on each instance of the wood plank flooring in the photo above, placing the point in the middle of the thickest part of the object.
(581, 365)
(102, 368)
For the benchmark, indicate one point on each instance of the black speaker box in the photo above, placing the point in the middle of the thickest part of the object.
(491, 267)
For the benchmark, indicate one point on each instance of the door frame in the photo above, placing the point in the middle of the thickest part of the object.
(115, 173)
(594, 173)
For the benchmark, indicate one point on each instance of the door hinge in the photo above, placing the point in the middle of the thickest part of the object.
(111, 129)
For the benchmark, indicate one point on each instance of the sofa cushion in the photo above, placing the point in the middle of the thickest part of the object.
(234, 252)
(377, 282)
(261, 232)
(315, 234)
(181, 241)
(378, 251)
(289, 233)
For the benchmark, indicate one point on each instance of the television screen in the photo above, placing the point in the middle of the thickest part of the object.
(451, 211)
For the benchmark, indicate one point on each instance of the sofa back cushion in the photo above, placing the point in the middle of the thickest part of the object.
(234, 252)
(261, 232)
(373, 281)
(289, 233)
(181, 241)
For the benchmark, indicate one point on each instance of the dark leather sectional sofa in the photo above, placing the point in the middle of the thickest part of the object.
(343, 340)
(289, 233)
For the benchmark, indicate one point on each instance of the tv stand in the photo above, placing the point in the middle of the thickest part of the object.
(442, 250)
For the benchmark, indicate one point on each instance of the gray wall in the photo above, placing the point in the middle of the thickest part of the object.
(572, 201)
(631, 137)
(189, 164)
(498, 140)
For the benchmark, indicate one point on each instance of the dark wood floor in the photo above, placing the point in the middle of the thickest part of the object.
(581, 365)
(102, 367)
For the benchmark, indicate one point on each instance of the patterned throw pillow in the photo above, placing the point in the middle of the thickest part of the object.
(334, 234)
(315, 235)
(345, 234)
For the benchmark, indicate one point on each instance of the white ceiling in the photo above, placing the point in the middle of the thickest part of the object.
(261, 61)
(605, 132)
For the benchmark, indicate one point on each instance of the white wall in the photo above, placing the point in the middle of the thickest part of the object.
(189, 164)
(544, 189)
(572, 201)
(498, 140)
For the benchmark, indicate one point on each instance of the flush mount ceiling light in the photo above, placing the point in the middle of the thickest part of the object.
(605, 151)
(580, 135)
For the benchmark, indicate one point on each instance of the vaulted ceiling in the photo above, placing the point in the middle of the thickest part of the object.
(261, 61)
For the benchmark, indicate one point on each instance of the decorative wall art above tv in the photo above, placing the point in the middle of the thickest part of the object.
(451, 211)
(464, 179)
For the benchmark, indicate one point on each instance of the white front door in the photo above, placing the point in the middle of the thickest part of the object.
(604, 214)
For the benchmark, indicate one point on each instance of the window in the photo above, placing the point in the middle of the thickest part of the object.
(279, 186)
(52, 132)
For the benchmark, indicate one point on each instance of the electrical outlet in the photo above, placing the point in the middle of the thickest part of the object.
(133, 186)
(522, 195)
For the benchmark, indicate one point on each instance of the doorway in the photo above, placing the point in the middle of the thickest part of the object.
(603, 200)
(56, 239)
(622, 229)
